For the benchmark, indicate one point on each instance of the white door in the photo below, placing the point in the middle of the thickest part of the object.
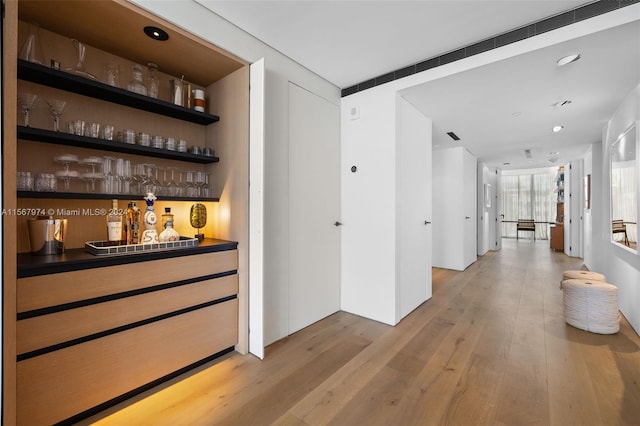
(314, 208)
(256, 208)
(469, 179)
(413, 210)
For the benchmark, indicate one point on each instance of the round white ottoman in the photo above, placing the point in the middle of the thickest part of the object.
(591, 305)
(582, 275)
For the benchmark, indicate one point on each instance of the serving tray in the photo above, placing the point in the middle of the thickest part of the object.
(101, 248)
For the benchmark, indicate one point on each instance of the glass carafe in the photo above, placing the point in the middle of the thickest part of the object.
(136, 84)
(152, 80)
(31, 49)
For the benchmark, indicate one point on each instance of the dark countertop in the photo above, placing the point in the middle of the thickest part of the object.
(77, 259)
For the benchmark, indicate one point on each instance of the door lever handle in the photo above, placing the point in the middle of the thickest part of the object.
(467, 217)
(337, 223)
(426, 222)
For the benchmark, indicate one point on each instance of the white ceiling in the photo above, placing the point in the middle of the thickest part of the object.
(501, 109)
(348, 42)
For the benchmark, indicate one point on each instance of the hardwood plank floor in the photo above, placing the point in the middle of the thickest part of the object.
(490, 348)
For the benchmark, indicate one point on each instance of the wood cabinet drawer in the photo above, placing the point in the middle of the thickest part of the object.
(60, 384)
(56, 289)
(47, 330)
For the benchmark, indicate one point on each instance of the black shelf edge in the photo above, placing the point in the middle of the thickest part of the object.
(50, 77)
(62, 138)
(96, 196)
(76, 259)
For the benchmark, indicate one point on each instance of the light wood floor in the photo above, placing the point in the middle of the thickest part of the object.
(490, 348)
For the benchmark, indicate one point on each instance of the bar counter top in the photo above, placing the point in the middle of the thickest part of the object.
(77, 259)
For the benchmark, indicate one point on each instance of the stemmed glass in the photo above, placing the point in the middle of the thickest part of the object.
(122, 176)
(66, 174)
(139, 176)
(27, 101)
(199, 180)
(205, 190)
(91, 176)
(81, 50)
(191, 189)
(56, 107)
(173, 187)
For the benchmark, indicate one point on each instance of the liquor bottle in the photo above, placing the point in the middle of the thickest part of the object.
(168, 233)
(114, 223)
(133, 223)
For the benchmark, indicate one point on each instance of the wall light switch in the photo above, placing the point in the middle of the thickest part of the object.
(354, 113)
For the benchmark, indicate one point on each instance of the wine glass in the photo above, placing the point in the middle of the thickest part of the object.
(206, 188)
(27, 101)
(56, 107)
(173, 187)
(81, 50)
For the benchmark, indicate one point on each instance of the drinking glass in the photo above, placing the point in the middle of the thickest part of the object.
(56, 107)
(66, 174)
(205, 190)
(173, 187)
(27, 101)
(92, 174)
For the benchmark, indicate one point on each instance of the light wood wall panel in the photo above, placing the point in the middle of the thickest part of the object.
(46, 330)
(60, 384)
(55, 289)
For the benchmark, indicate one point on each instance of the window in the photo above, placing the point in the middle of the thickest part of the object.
(528, 195)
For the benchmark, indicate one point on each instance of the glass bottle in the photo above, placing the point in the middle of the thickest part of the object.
(136, 85)
(133, 223)
(168, 233)
(152, 80)
(114, 223)
(149, 235)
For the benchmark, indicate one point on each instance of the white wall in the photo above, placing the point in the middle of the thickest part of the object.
(621, 267)
(368, 143)
(280, 70)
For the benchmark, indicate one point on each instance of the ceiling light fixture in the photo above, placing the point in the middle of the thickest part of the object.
(556, 129)
(156, 33)
(554, 153)
(567, 59)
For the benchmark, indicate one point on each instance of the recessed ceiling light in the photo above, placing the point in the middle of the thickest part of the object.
(556, 129)
(554, 153)
(516, 114)
(156, 33)
(567, 59)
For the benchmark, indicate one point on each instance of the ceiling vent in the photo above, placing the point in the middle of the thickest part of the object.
(527, 153)
(453, 136)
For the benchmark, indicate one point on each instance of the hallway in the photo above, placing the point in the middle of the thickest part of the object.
(490, 348)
